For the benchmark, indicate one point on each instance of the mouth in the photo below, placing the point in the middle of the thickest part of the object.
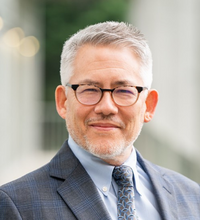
(104, 126)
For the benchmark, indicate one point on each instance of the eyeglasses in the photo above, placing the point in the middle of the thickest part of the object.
(89, 94)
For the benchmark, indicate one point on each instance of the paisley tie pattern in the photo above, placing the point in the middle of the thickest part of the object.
(123, 176)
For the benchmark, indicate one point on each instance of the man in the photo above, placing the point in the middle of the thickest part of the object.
(105, 97)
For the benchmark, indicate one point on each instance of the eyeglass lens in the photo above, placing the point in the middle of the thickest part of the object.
(90, 95)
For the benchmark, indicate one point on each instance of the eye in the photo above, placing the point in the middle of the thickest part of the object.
(126, 91)
(87, 89)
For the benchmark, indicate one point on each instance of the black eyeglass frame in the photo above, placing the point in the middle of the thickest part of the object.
(75, 87)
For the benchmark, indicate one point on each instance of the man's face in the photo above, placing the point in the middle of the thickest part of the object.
(105, 129)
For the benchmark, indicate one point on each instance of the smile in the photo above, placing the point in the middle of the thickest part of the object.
(103, 126)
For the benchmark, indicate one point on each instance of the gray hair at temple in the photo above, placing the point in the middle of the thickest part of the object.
(118, 34)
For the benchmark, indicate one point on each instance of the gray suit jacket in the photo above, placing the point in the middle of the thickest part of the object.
(62, 189)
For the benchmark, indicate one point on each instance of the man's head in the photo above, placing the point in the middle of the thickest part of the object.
(104, 34)
(113, 57)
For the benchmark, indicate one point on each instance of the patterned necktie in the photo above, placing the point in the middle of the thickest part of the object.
(123, 176)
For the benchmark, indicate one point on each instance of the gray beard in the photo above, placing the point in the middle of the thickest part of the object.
(114, 149)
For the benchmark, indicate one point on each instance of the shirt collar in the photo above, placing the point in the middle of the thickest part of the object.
(99, 171)
(132, 162)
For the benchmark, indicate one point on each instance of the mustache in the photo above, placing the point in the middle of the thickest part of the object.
(106, 118)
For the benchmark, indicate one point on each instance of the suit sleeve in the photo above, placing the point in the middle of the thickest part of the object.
(8, 209)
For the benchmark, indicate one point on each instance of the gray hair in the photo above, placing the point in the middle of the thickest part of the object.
(107, 33)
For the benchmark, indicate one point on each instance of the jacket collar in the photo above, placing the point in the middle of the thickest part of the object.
(163, 189)
(77, 188)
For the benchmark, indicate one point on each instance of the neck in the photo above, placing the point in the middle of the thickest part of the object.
(119, 160)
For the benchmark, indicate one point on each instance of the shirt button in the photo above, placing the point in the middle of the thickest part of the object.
(104, 189)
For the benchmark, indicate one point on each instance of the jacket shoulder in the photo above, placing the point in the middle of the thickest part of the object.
(27, 179)
(179, 181)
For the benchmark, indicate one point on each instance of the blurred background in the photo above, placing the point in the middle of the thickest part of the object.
(32, 34)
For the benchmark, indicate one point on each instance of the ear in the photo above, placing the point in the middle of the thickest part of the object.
(151, 103)
(61, 98)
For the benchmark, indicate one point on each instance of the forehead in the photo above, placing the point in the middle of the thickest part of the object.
(106, 64)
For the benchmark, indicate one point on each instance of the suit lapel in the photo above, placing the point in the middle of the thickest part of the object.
(164, 192)
(82, 197)
(77, 190)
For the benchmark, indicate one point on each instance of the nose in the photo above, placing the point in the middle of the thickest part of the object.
(106, 106)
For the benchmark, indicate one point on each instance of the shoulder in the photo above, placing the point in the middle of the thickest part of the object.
(184, 189)
(26, 182)
(22, 194)
(46, 177)
(178, 181)
(173, 176)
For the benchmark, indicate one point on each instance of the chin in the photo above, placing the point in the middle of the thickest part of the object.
(105, 149)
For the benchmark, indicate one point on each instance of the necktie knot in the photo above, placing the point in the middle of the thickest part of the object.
(123, 176)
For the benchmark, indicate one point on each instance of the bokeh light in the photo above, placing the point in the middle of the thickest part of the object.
(13, 37)
(29, 46)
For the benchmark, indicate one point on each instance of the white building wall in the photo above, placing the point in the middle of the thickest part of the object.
(21, 79)
(173, 32)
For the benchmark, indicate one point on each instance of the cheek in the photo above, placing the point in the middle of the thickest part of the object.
(76, 115)
(134, 120)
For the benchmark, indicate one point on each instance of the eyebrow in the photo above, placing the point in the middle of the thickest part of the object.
(89, 81)
(123, 82)
(115, 83)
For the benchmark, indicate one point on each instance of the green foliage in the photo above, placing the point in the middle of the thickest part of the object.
(64, 18)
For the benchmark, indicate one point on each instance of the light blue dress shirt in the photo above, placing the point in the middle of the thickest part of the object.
(101, 174)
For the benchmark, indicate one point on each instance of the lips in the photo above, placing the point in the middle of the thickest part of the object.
(104, 126)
